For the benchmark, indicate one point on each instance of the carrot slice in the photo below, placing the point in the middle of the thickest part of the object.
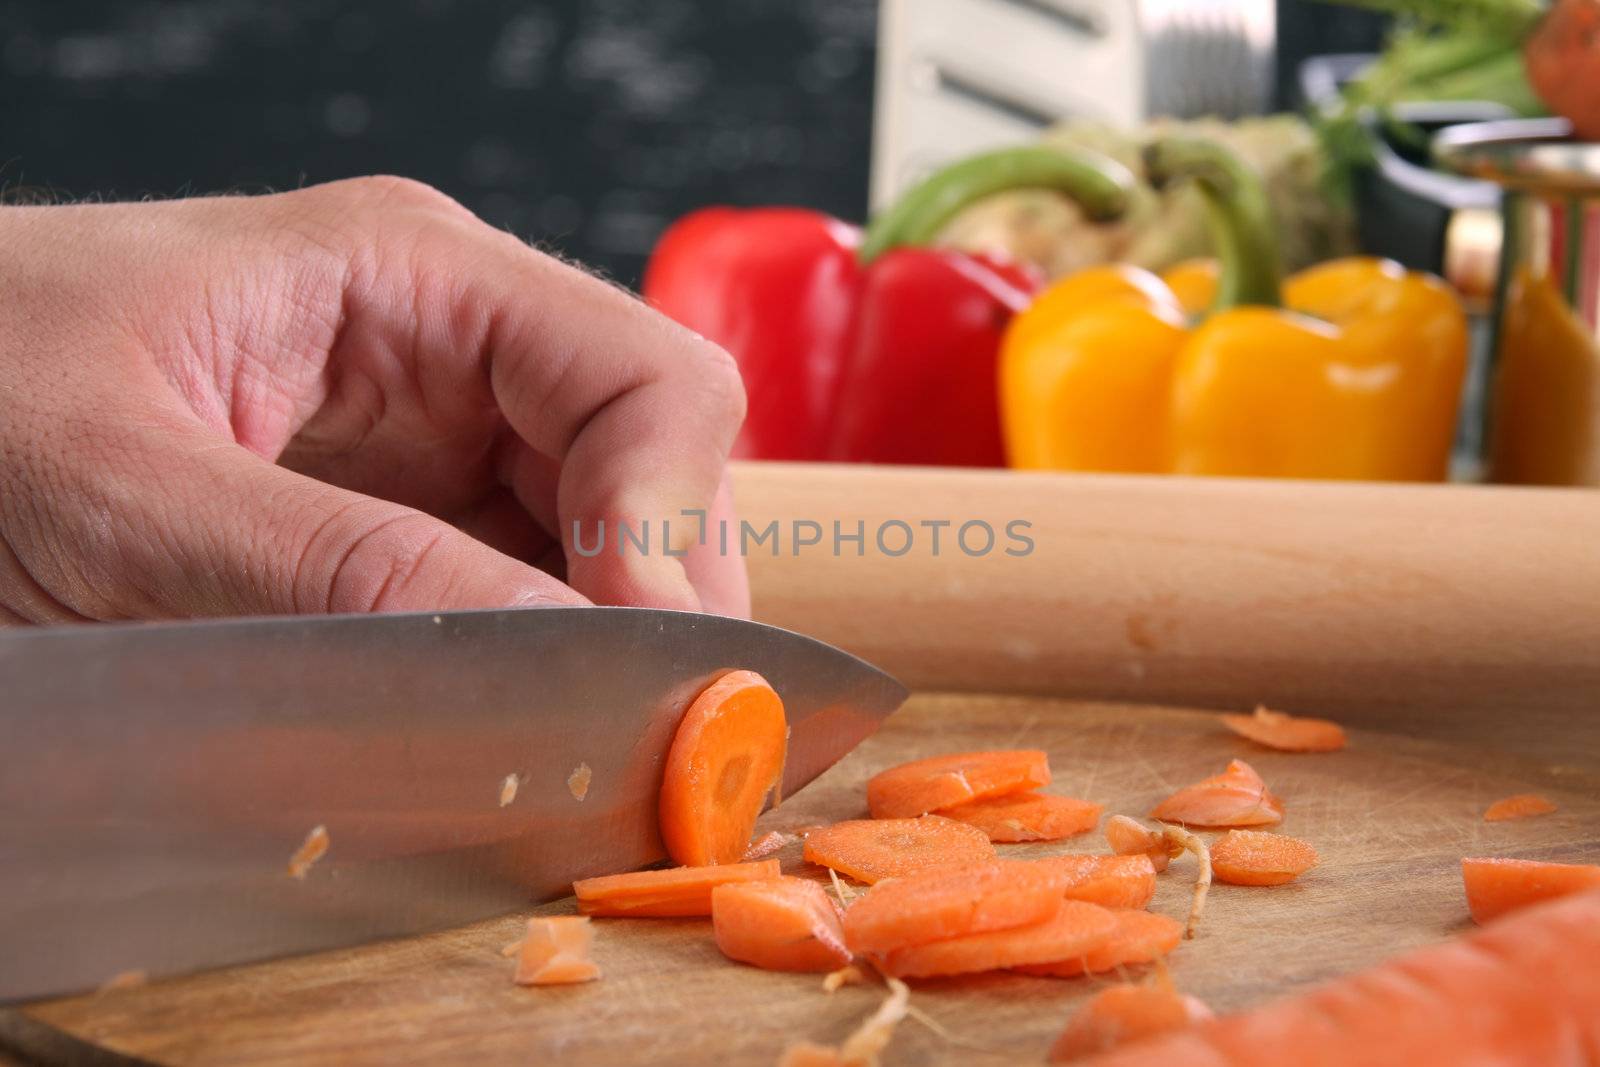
(1519, 993)
(1254, 857)
(925, 785)
(1496, 886)
(1110, 881)
(785, 924)
(725, 760)
(1521, 806)
(1236, 797)
(1121, 1014)
(1027, 816)
(1129, 837)
(1140, 937)
(556, 952)
(1074, 929)
(872, 849)
(951, 903)
(1287, 733)
(676, 891)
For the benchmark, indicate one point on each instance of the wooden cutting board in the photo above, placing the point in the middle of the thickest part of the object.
(1391, 817)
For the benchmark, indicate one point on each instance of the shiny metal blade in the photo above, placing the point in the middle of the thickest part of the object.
(155, 779)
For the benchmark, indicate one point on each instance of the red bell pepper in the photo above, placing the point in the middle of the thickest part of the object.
(862, 346)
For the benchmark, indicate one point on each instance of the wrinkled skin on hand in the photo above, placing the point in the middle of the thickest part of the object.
(354, 397)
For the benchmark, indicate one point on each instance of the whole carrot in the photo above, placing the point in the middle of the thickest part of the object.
(1522, 992)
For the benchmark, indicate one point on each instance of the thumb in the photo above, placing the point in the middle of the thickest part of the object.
(228, 532)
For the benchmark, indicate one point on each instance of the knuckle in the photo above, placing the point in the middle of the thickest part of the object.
(368, 566)
(389, 190)
(718, 376)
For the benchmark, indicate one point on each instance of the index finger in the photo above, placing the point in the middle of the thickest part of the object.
(639, 411)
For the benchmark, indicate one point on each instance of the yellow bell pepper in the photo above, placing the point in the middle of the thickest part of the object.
(1351, 369)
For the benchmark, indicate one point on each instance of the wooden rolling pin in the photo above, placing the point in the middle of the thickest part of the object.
(1393, 602)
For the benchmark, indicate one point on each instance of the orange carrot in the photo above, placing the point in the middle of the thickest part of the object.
(1519, 993)
(1110, 881)
(1027, 816)
(1496, 886)
(1253, 857)
(676, 891)
(1074, 929)
(785, 924)
(556, 952)
(1121, 1014)
(1236, 797)
(951, 903)
(1128, 837)
(1521, 806)
(725, 760)
(1140, 937)
(811, 1054)
(925, 785)
(870, 849)
(1287, 733)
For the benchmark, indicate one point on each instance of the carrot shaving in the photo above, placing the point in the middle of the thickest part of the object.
(310, 851)
(556, 952)
(578, 781)
(862, 1048)
(1285, 732)
(511, 948)
(508, 790)
(1521, 806)
(845, 894)
(1192, 844)
(849, 974)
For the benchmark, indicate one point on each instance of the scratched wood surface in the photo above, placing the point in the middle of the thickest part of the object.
(1391, 816)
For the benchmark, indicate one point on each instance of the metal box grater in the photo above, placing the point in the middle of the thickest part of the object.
(958, 76)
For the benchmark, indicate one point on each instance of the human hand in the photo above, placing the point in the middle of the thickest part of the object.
(354, 397)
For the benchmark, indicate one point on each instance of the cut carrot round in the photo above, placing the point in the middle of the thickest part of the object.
(1236, 797)
(556, 952)
(674, 892)
(872, 849)
(1120, 1014)
(1496, 886)
(1287, 733)
(1074, 929)
(1140, 937)
(1129, 837)
(951, 903)
(1110, 881)
(1027, 816)
(785, 924)
(725, 760)
(1521, 806)
(1254, 857)
(925, 785)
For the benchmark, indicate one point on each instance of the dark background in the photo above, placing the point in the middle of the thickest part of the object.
(584, 124)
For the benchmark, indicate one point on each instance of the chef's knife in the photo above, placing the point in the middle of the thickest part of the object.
(157, 779)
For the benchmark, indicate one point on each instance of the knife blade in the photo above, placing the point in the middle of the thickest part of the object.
(157, 778)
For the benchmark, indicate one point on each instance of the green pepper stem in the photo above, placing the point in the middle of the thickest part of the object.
(1237, 213)
(1099, 185)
